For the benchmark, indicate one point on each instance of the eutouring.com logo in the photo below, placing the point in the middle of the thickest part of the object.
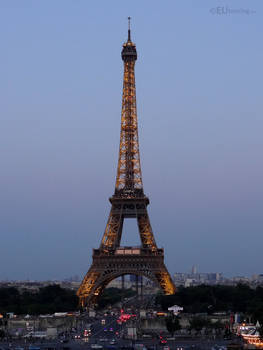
(225, 10)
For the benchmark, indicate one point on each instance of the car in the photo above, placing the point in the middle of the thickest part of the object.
(96, 346)
(64, 341)
(103, 339)
(112, 342)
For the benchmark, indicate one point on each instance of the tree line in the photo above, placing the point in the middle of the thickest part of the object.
(51, 299)
(220, 298)
(113, 295)
(47, 300)
(199, 299)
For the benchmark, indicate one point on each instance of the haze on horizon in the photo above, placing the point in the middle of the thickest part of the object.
(199, 101)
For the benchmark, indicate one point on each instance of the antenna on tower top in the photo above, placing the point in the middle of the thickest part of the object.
(129, 28)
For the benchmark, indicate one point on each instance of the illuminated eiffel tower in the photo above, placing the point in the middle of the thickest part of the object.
(129, 201)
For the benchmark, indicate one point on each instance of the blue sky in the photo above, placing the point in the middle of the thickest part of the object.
(199, 98)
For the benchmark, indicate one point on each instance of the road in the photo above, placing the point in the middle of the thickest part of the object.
(120, 343)
(108, 334)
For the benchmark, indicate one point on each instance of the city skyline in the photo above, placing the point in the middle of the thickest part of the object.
(199, 100)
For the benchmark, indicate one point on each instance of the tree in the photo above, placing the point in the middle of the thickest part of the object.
(172, 324)
(113, 295)
(49, 299)
(203, 299)
(2, 333)
(198, 323)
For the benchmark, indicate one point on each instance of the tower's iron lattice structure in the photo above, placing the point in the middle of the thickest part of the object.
(129, 201)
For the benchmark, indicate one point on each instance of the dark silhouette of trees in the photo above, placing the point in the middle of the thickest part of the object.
(113, 295)
(210, 299)
(2, 333)
(172, 324)
(49, 299)
(198, 323)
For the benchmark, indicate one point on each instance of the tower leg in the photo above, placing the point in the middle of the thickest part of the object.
(165, 281)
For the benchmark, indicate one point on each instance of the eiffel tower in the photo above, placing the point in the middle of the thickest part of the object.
(128, 201)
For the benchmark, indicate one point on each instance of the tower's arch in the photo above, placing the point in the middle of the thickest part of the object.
(112, 275)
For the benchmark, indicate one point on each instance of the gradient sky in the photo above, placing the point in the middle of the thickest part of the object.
(199, 97)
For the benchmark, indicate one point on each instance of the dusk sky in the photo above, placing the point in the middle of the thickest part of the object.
(199, 82)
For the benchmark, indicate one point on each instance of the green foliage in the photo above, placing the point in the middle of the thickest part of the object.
(198, 323)
(209, 299)
(172, 324)
(48, 300)
(2, 333)
(217, 325)
(52, 299)
(113, 295)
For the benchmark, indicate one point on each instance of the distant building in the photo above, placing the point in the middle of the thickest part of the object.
(194, 278)
(194, 270)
